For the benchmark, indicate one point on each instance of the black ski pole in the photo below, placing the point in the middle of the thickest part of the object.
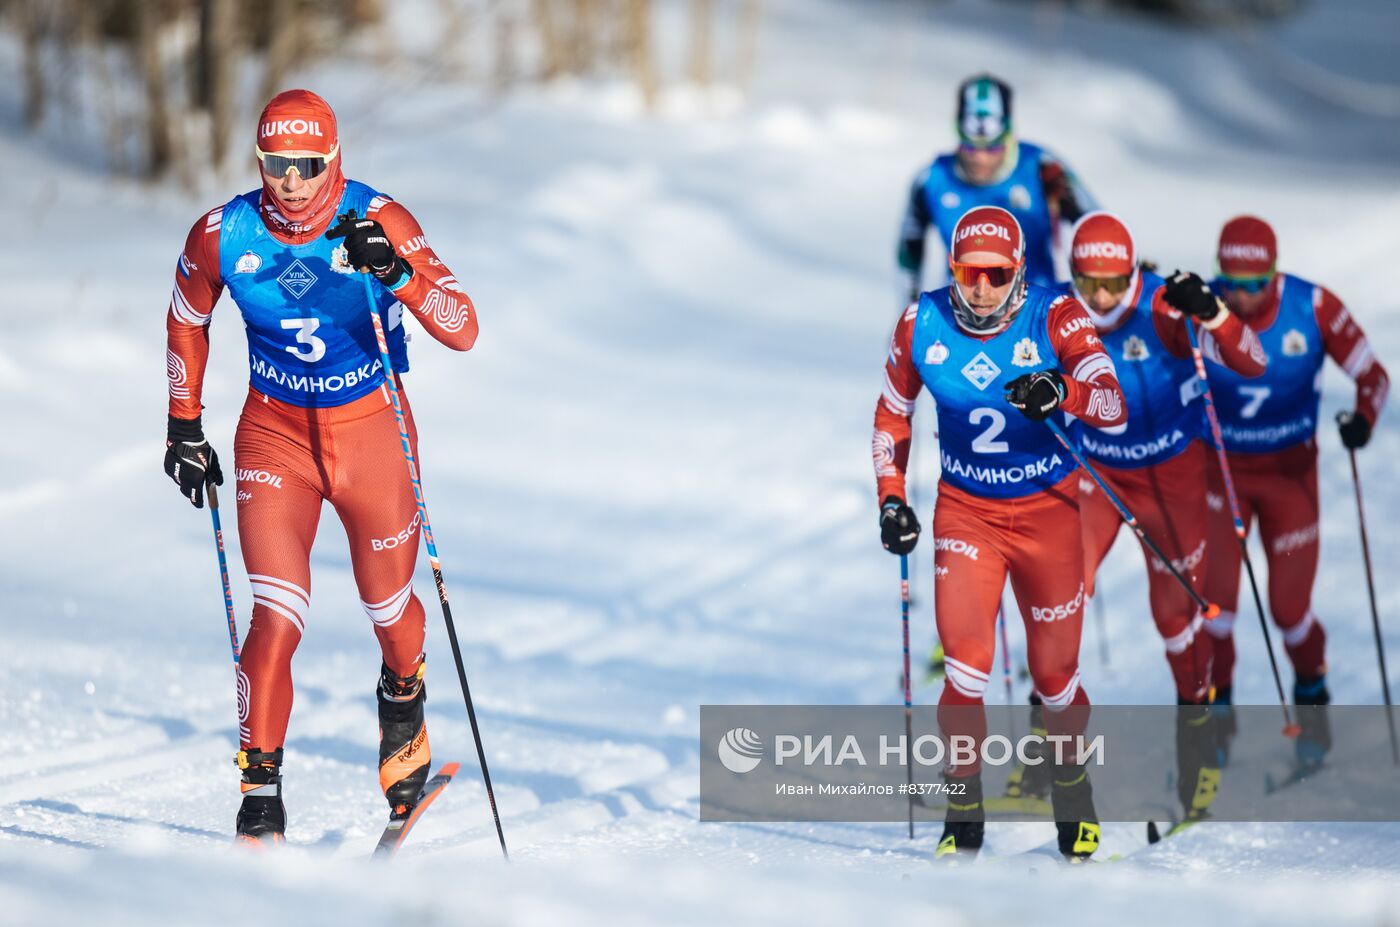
(342, 221)
(1208, 610)
(908, 694)
(1290, 729)
(1375, 615)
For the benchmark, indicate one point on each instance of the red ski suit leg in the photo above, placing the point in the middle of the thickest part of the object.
(288, 461)
(1168, 503)
(978, 543)
(1280, 491)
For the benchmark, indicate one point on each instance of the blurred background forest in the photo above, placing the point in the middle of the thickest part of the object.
(166, 80)
(171, 77)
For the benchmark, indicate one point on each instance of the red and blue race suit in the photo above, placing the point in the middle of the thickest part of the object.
(1031, 187)
(1156, 462)
(317, 424)
(1008, 501)
(1269, 426)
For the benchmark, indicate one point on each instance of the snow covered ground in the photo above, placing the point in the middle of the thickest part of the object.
(650, 483)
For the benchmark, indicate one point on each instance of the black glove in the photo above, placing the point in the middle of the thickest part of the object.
(189, 460)
(1188, 294)
(1037, 394)
(1059, 190)
(1354, 429)
(1069, 209)
(367, 245)
(899, 526)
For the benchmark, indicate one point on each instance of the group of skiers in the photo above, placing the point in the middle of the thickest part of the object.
(1128, 360)
(1007, 352)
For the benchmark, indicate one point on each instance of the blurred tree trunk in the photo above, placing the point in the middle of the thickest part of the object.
(365, 12)
(218, 23)
(504, 68)
(89, 37)
(31, 27)
(701, 22)
(750, 24)
(68, 60)
(552, 53)
(289, 32)
(638, 20)
(159, 141)
(584, 44)
(455, 22)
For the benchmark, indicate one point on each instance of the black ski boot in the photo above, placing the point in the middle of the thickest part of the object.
(404, 756)
(1030, 782)
(1072, 796)
(966, 820)
(1222, 706)
(1197, 775)
(1311, 697)
(262, 818)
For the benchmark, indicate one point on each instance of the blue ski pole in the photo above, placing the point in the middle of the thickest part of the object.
(239, 683)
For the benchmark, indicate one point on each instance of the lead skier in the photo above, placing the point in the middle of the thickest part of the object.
(991, 167)
(317, 426)
(1157, 463)
(1008, 499)
(1270, 430)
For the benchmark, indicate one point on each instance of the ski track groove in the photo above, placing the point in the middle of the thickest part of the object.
(672, 792)
(90, 752)
(193, 750)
